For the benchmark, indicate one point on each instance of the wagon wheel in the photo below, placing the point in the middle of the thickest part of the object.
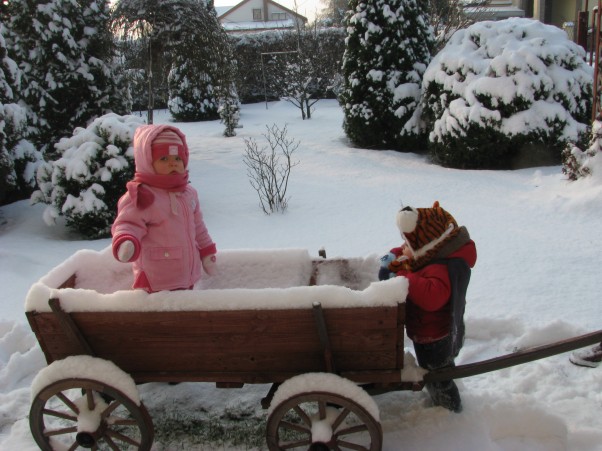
(322, 421)
(72, 413)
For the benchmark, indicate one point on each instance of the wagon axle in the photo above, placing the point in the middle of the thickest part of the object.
(90, 439)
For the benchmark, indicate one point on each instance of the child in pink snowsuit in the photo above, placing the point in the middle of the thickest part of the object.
(159, 225)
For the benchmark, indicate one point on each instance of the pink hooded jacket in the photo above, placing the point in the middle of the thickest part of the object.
(169, 234)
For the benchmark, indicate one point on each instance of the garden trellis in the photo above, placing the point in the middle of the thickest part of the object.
(265, 89)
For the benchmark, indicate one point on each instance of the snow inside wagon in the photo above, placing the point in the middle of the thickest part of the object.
(247, 279)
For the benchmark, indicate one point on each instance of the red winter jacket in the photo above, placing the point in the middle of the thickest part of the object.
(428, 316)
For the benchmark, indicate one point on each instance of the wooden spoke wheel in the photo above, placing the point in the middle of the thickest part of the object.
(74, 413)
(322, 421)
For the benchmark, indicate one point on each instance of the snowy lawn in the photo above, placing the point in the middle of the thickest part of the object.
(536, 281)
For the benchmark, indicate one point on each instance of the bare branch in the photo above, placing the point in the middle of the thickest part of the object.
(269, 168)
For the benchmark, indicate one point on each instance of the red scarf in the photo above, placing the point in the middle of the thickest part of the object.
(143, 198)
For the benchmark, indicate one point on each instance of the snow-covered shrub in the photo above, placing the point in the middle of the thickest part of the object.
(388, 48)
(229, 112)
(501, 88)
(577, 163)
(191, 92)
(85, 184)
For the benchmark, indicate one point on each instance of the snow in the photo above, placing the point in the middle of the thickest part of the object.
(265, 279)
(536, 280)
(330, 383)
(86, 367)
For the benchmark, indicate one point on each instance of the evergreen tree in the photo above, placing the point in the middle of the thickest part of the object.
(66, 53)
(191, 92)
(18, 158)
(200, 72)
(389, 46)
(186, 34)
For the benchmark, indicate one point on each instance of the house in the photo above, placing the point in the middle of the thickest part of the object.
(560, 13)
(258, 15)
(564, 14)
(493, 9)
(552, 12)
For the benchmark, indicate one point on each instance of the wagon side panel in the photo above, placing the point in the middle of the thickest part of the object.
(234, 346)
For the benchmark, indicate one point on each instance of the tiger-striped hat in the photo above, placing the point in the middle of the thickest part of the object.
(424, 229)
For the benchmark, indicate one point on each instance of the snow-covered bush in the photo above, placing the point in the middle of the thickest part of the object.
(577, 163)
(498, 89)
(229, 112)
(388, 48)
(85, 184)
(191, 92)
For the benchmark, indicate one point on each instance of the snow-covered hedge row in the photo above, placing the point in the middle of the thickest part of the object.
(85, 184)
(328, 44)
(499, 88)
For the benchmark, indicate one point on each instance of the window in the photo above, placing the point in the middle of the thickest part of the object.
(257, 14)
(278, 16)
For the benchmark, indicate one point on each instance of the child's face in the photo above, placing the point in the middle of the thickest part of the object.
(169, 164)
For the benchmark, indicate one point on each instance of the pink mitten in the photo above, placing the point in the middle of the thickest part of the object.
(126, 251)
(210, 264)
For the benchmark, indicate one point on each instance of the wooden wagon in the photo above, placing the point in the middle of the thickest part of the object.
(323, 332)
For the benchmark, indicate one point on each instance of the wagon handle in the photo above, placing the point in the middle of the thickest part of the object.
(516, 358)
(70, 328)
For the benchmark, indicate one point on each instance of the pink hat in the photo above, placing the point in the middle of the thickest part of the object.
(167, 143)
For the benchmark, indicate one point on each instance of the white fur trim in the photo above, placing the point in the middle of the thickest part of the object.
(406, 220)
(424, 249)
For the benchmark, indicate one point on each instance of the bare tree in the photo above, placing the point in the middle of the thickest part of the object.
(269, 169)
(448, 16)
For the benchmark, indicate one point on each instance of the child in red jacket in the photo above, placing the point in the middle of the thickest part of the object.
(159, 225)
(432, 237)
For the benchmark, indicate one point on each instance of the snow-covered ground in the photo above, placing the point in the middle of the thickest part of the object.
(536, 281)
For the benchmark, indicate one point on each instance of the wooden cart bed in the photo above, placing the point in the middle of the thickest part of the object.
(230, 336)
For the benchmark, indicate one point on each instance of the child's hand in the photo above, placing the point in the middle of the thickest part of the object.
(126, 251)
(210, 264)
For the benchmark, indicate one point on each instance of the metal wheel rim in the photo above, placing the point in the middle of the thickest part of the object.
(369, 427)
(51, 418)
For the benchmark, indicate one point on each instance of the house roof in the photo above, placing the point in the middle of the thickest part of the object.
(254, 25)
(221, 10)
(499, 12)
(228, 9)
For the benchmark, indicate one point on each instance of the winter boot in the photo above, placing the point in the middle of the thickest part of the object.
(432, 356)
(445, 394)
(587, 357)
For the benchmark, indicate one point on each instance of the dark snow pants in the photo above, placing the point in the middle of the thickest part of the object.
(436, 355)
